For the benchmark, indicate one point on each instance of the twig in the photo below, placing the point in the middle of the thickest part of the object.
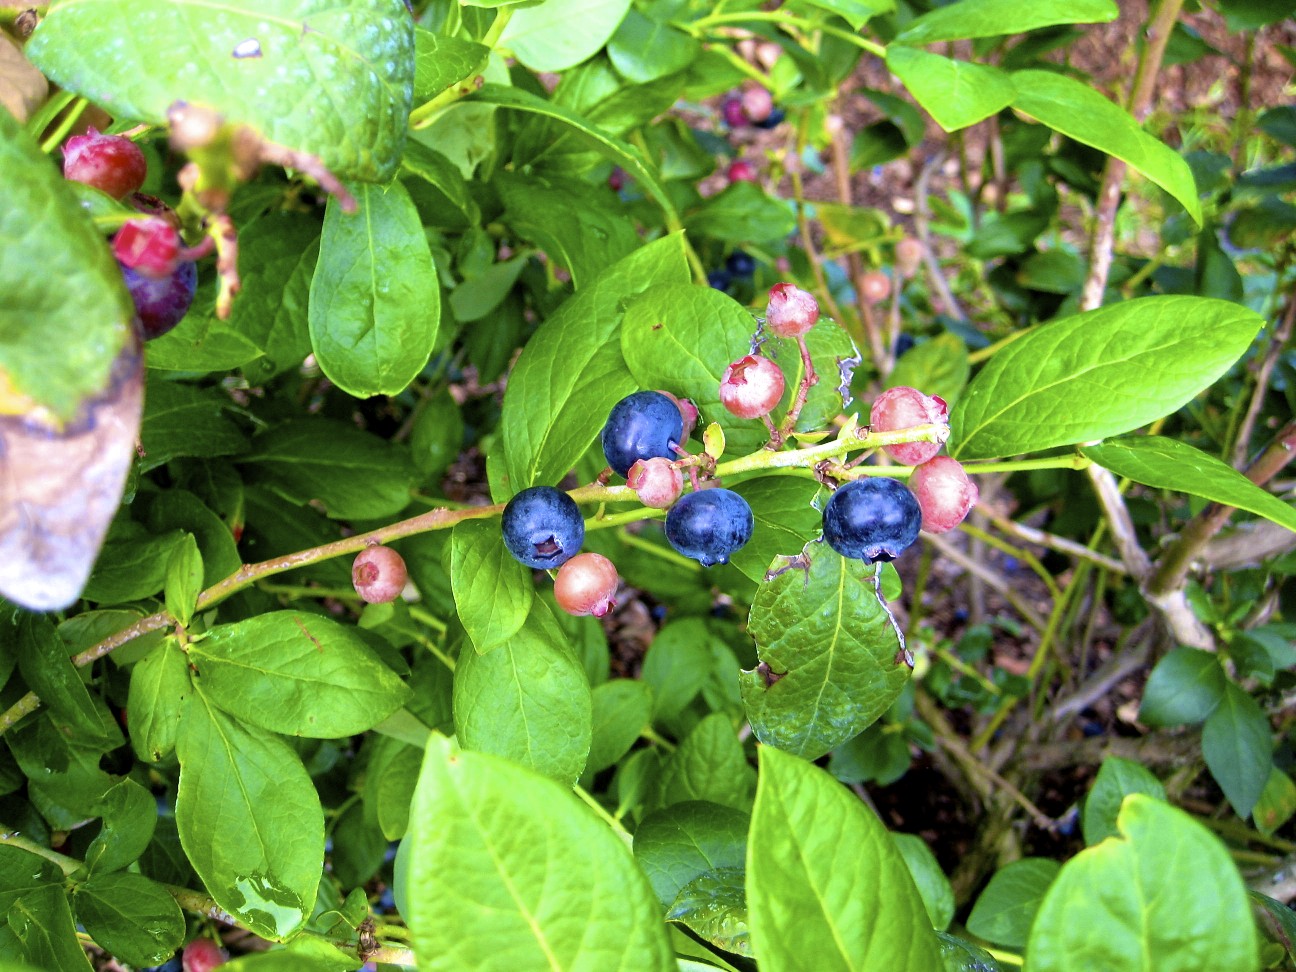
(990, 577)
(922, 221)
(1053, 542)
(1276, 345)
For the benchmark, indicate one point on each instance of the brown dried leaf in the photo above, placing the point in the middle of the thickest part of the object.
(23, 89)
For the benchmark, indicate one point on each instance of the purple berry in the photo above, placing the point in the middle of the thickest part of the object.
(162, 302)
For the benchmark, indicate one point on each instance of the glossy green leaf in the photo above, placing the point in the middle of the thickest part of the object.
(1276, 920)
(375, 302)
(552, 886)
(854, 12)
(933, 886)
(960, 956)
(528, 700)
(1005, 910)
(1237, 744)
(559, 34)
(992, 18)
(622, 710)
(492, 591)
(571, 372)
(644, 49)
(130, 916)
(708, 765)
(438, 183)
(825, 879)
(299, 674)
(184, 579)
(1117, 778)
(1154, 460)
(684, 841)
(1277, 803)
(676, 666)
(131, 565)
(21, 873)
(830, 654)
(1054, 385)
(354, 475)
(250, 820)
(784, 521)
(277, 65)
(742, 213)
(1184, 688)
(955, 93)
(834, 357)
(714, 906)
(1078, 111)
(129, 815)
(45, 235)
(159, 689)
(44, 661)
(42, 921)
(1164, 895)
(441, 61)
(180, 509)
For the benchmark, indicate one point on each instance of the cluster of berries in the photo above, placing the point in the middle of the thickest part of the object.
(753, 106)
(158, 269)
(739, 265)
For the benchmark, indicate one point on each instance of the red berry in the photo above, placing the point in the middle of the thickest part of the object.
(586, 584)
(740, 170)
(151, 246)
(757, 103)
(378, 574)
(945, 493)
(657, 482)
(875, 287)
(733, 113)
(908, 254)
(203, 954)
(903, 408)
(791, 311)
(616, 180)
(110, 163)
(751, 387)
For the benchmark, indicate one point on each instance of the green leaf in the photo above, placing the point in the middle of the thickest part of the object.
(825, 879)
(622, 710)
(994, 18)
(1238, 747)
(784, 521)
(159, 689)
(643, 49)
(714, 905)
(130, 916)
(1276, 920)
(441, 61)
(528, 700)
(955, 93)
(939, 367)
(933, 886)
(21, 873)
(1184, 688)
(331, 79)
(1164, 895)
(830, 656)
(129, 816)
(1054, 386)
(559, 34)
(852, 11)
(1117, 779)
(42, 921)
(552, 886)
(355, 475)
(440, 186)
(709, 765)
(492, 591)
(571, 372)
(184, 579)
(1078, 111)
(960, 956)
(679, 844)
(1277, 803)
(299, 674)
(45, 235)
(180, 509)
(742, 213)
(375, 302)
(49, 672)
(676, 666)
(250, 820)
(1004, 911)
(1154, 460)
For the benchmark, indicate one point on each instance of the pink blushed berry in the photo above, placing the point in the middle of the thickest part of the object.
(688, 414)
(875, 287)
(751, 386)
(586, 584)
(740, 170)
(903, 408)
(202, 955)
(791, 311)
(150, 245)
(110, 163)
(908, 255)
(945, 493)
(378, 574)
(657, 482)
(757, 103)
(732, 111)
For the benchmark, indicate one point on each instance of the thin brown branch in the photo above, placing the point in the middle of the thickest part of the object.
(1277, 342)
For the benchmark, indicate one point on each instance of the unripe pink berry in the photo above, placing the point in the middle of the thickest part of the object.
(908, 255)
(378, 574)
(791, 311)
(616, 179)
(586, 584)
(945, 493)
(202, 954)
(875, 287)
(757, 103)
(657, 482)
(751, 387)
(732, 110)
(110, 163)
(150, 245)
(903, 408)
(740, 170)
(688, 414)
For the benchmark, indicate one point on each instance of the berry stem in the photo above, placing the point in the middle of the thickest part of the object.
(809, 379)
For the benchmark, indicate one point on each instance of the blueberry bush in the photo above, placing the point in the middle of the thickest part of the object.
(480, 489)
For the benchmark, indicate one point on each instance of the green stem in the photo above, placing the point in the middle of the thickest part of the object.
(1069, 461)
(603, 815)
(425, 114)
(64, 126)
(779, 17)
(68, 865)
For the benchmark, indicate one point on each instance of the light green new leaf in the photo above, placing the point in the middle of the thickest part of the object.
(559, 34)
(42, 922)
(441, 61)
(1237, 744)
(492, 591)
(130, 815)
(249, 819)
(1154, 460)
(643, 49)
(375, 302)
(510, 871)
(622, 711)
(955, 93)
(159, 688)
(1164, 896)
(298, 674)
(528, 700)
(131, 916)
(933, 886)
(1004, 911)
(1098, 374)
(994, 18)
(830, 656)
(328, 78)
(708, 765)
(825, 880)
(1117, 779)
(1078, 111)
(679, 844)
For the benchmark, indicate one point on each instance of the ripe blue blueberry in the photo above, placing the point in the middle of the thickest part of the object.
(719, 279)
(773, 119)
(162, 302)
(645, 425)
(543, 527)
(709, 525)
(741, 263)
(872, 519)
